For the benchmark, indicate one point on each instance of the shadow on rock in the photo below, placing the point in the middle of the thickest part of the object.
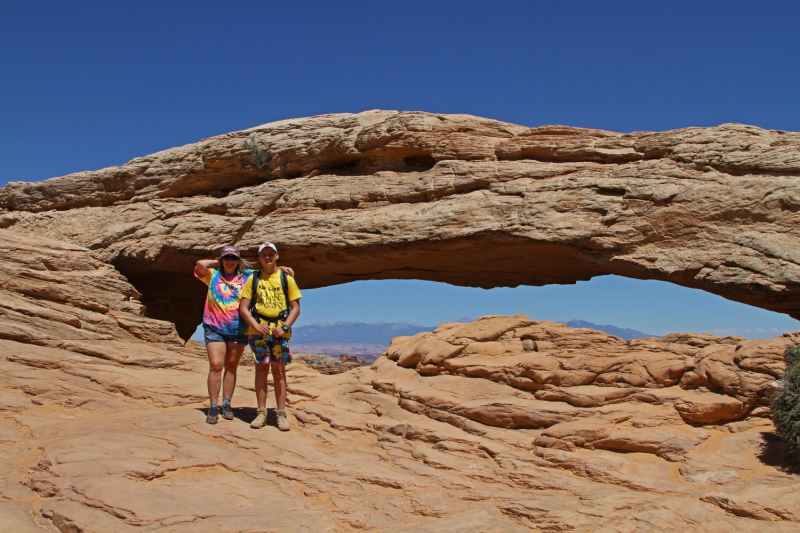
(248, 414)
(774, 453)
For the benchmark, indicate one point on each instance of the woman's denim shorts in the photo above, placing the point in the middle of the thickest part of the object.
(213, 335)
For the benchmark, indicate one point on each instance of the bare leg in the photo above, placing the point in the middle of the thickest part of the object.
(216, 359)
(279, 377)
(233, 353)
(262, 387)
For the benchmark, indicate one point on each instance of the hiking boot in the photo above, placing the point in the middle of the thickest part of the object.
(227, 412)
(283, 423)
(261, 420)
(213, 413)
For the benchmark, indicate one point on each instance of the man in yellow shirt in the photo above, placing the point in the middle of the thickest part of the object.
(277, 306)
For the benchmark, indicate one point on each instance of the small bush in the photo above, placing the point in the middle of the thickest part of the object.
(258, 156)
(786, 404)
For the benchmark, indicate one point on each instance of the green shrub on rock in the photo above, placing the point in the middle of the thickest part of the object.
(786, 404)
(258, 156)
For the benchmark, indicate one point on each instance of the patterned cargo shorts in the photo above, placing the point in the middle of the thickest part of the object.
(268, 349)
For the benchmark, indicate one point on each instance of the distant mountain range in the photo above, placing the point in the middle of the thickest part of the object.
(355, 332)
(622, 333)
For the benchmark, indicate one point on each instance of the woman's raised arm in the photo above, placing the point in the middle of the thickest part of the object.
(204, 264)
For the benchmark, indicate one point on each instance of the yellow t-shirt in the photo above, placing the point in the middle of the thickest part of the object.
(270, 301)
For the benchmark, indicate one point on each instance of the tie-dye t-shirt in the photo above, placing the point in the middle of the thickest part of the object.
(222, 303)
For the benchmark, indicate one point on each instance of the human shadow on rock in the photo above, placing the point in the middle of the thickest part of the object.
(247, 415)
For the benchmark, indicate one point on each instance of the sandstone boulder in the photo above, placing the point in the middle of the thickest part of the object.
(588, 368)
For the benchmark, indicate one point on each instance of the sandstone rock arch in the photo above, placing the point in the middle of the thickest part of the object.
(454, 198)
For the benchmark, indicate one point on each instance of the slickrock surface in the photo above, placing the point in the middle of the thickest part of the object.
(95, 444)
(503, 425)
(454, 198)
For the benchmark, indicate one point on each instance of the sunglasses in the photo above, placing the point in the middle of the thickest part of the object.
(230, 258)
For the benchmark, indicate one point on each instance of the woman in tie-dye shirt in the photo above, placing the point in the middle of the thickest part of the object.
(225, 334)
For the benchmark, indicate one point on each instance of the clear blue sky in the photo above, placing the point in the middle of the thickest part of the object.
(85, 85)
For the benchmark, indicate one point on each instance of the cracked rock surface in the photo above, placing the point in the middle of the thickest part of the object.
(412, 195)
(503, 425)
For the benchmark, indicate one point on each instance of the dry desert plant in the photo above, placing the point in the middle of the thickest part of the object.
(258, 156)
(786, 404)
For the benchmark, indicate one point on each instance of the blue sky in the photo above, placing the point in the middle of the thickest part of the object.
(86, 85)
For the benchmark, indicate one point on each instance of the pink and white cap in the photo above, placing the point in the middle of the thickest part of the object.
(267, 245)
(230, 250)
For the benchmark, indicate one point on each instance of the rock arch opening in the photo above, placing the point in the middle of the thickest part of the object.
(174, 295)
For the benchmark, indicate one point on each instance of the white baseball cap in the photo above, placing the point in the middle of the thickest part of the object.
(267, 245)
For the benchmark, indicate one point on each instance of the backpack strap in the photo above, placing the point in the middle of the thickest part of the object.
(254, 277)
(285, 287)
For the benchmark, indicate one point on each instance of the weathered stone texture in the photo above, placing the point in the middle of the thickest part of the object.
(382, 195)
(56, 294)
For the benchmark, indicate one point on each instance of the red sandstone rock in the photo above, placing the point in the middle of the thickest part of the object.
(382, 195)
(326, 364)
(347, 358)
(588, 368)
(57, 294)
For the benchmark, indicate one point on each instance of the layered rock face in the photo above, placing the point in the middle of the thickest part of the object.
(502, 425)
(56, 294)
(451, 198)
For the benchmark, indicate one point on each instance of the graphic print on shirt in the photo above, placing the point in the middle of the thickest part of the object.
(271, 297)
(222, 302)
